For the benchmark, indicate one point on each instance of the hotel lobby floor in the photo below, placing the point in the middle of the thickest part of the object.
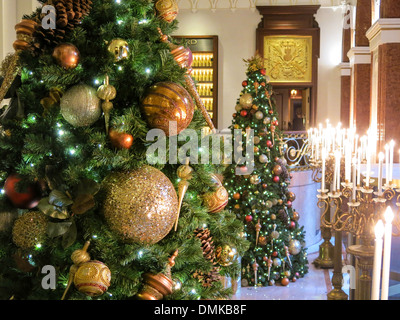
(314, 286)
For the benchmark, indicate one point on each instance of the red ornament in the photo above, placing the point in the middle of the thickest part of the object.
(263, 72)
(24, 200)
(244, 83)
(248, 218)
(285, 281)
(66, 55)
(276, 179)
(289, 204)
(292, 225)
(294, 279)
(270, 112)
(264, 185)
(243, 113)
(236, 196)
(274, 254)
(269, 143)
(121, 140)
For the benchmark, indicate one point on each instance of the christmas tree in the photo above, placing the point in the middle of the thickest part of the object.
(81, 197)
(258, 188)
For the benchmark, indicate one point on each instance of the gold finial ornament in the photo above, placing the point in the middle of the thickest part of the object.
(184, 173)
(107, 92)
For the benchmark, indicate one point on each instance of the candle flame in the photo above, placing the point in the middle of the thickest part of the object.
(379, 230)
(389, 215)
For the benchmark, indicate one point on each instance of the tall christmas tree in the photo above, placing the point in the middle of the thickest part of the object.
(85, 212)
(258, 188)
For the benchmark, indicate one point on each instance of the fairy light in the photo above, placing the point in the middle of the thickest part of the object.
(143, 21)
(148, 71)
(140, 254)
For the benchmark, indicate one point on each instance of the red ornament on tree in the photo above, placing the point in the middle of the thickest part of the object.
(121, 140)
(236, 196)
(244, 83)
(285, 281)
(243, 113)
(289, 204)
(27, 199)
(269, 143)
(263, 72)
(248, 218)
(292, 225)
(270, 112)
(264, 185)
(274, 254)
(276, 179)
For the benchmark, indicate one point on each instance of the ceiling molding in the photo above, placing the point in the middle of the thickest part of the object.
(233, 5)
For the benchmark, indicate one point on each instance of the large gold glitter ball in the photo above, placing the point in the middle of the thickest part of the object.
(140, 206)
(167, 9)
(226, 255)
(246, 100)
(168, 104)
(30, 230)
(92, 278)
(80, 106)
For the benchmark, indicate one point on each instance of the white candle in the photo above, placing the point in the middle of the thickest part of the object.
(323, 170)
(347, 161)
(359, 167)
(387, 248)
(387, 163)
(338, 171)
(368, 167)
(391, 151)
(354, 178)
(376, 273)
(381, 156)
(335, 173)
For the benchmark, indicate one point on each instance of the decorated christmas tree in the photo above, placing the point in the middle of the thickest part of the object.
(85, 210)
(258, 188)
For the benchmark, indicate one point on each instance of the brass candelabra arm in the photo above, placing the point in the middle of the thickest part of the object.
(316, 172)
(323, 203)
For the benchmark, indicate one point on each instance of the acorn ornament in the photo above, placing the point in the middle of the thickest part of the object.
(107, 92)
(167, 10)
(216, 200)
(184, 173)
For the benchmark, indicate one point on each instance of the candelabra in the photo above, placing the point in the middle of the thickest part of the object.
(362, 213)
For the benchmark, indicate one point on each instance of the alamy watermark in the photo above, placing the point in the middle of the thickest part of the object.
(49, 20)
(217, 148)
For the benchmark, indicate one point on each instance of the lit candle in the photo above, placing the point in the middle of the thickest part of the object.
(391, 151)
(338, 170)
(354, 178)
(347, 161)
(359, 167)
(335, 173)
(367, 173)
(381, 156)
(386, 253)
(387, 163)
(323, 170)
(376, 273)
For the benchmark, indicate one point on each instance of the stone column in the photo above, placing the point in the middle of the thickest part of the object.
(360, 62)
(345, 70)
(384, 37)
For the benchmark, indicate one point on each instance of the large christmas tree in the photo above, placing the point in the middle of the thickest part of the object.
(80, 194)
(258, 188)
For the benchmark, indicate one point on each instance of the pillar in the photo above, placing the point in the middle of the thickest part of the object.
(360, 63)
(345, 69)
(384, 38)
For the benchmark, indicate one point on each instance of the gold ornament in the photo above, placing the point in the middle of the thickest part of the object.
(30, 230)
(66, 55)
(167, 104)
(167, 10)
(80, 106)
(140, 206)
(294, 247)
(107, 92)
(217, 200)
(183, 56)
(258, 228)
(78, 257)
(226, 255)
(92, 278)
(119, 48)
(157, 286)
(184, 173)
(246, 100)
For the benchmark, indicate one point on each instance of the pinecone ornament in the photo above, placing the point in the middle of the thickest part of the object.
(69, 14)
(207, 245)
